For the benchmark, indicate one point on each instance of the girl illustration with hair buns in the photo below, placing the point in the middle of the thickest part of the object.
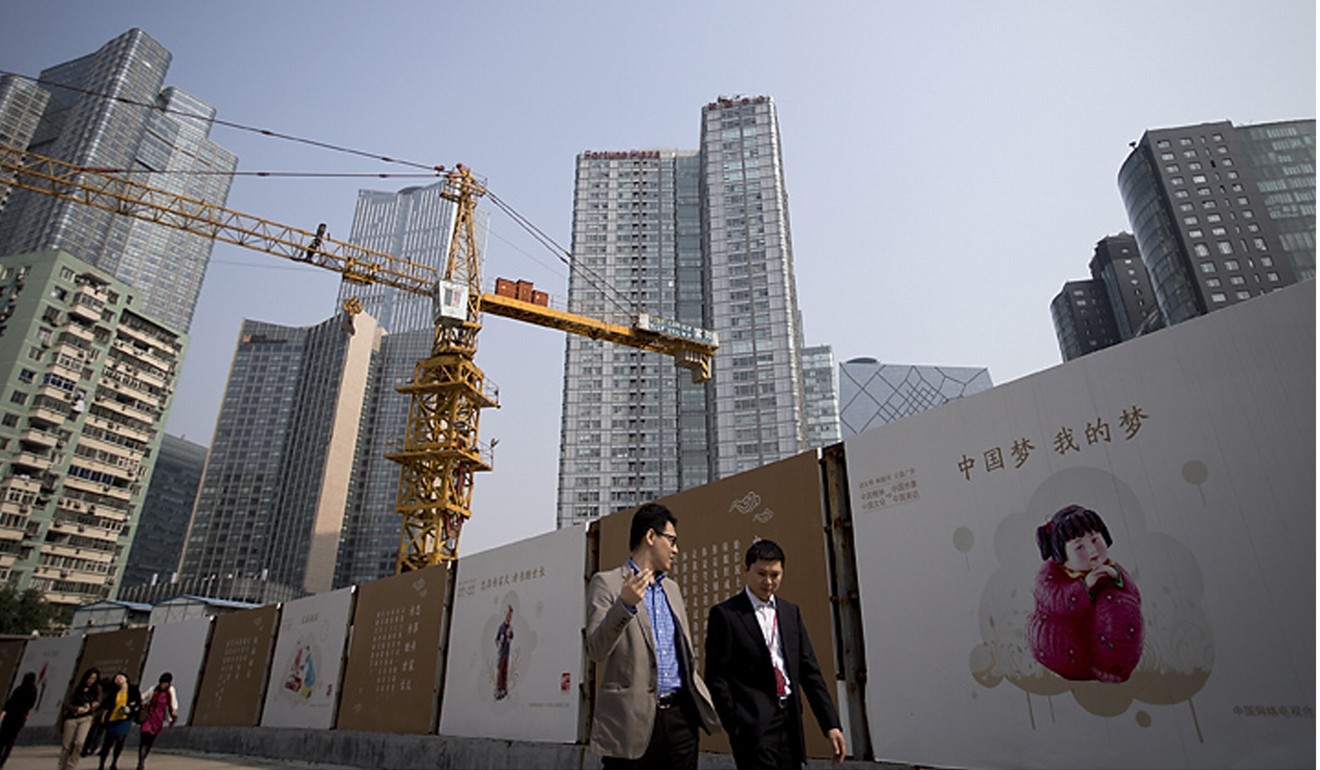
(1087, 623)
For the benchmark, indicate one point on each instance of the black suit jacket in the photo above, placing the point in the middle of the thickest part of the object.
(742, 679)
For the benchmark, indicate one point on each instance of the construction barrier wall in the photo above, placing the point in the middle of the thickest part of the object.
(913, 552)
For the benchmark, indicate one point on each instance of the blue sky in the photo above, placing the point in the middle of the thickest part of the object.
(949, 164)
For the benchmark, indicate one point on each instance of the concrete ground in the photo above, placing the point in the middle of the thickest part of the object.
(47, 758)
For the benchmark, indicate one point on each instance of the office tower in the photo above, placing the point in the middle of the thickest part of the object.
(1117, 264)
(21, 105)
(872, 394)
(415, 223)
(1209, 205)
(701, 237)
(268, 520)
(1083, 318)
(822, 396)
(1116, 304)
(88, 382)
(111, 109)
(166, 510)
(1283, 158)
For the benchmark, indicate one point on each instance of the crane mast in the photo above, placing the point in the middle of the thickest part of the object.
(440, 453)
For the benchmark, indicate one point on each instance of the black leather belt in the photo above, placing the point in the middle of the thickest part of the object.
(666, 701)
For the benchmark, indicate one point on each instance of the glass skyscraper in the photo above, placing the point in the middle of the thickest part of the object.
(111, 109)
(701, 237)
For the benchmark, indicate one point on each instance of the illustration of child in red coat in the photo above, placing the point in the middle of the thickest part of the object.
(1087, 623)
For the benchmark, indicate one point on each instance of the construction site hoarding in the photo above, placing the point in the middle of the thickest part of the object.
(716, 524)
(1110, 563)
(179, 649)
(309, 653)
(237, 664)
(392, 679)
(53, 660)
(11, 653)
(515, 646)
(114, 652)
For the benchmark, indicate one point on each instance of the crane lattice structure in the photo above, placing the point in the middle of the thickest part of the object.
(440, 452)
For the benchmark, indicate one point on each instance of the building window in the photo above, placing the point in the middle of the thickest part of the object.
(26, 375)
(66, 274)
(1237, 280)
(1225, 247)
(1212, 283)
(1190, 220)
(1177, 180)
(1185, 141)
(1248, 214)
(1243, 295)
(1267, 261)
(1203, 191)
(1220, 230)
(9, 420)
(1185, 207)
(1218, 296)
(1207, 267)
(1273, 277)
(1198, 178)
(1194, 166)
(18, 397)
(1195, 233)
(1189, 153)
(1231, 264)
(1172, 168)
(1162, 143)
(1180, 193)
(1213, 218)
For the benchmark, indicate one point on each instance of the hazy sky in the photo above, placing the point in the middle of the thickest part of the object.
(949, 164)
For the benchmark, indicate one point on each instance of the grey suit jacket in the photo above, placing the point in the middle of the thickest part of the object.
(623, 643)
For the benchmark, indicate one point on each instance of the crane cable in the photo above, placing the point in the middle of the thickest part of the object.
(432, 170)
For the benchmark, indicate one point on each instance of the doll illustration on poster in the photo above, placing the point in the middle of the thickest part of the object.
(1087, 624)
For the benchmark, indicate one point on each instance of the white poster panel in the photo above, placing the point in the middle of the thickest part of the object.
(52, 659)
(180, 649)
(1166, 616)
(309, 651)
(515, 644)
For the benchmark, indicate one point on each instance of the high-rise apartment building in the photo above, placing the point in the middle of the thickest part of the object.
(88, 378)
(270, 513)
(872, 394)
(701, 237)
(1222, 213)
(111, 109)
(758, 394)
(21, 105)
(166, 510)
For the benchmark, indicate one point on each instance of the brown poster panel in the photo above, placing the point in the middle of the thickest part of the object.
(234, 676)
(11, 652)
(115, 651)
(392, 679)
(717, 522)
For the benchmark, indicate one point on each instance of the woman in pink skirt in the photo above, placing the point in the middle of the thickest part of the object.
(162, 706)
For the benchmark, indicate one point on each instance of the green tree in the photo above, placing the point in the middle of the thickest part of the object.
(22, 612)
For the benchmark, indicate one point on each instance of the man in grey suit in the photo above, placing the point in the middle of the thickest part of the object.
(651, 699)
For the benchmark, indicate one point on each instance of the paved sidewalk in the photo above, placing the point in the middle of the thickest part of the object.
(48, 757)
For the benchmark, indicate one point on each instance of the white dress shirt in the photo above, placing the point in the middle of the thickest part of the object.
(767, 616)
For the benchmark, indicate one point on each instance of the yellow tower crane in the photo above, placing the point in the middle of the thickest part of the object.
(448, 390)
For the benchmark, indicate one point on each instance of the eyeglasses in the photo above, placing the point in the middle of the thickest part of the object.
(673, 539)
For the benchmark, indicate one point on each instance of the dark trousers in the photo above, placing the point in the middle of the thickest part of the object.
(773, 749)
(673, 741)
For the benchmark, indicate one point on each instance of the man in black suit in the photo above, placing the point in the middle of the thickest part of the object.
(759, 665)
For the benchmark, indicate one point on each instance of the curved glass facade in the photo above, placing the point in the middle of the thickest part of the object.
(1157, 238)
